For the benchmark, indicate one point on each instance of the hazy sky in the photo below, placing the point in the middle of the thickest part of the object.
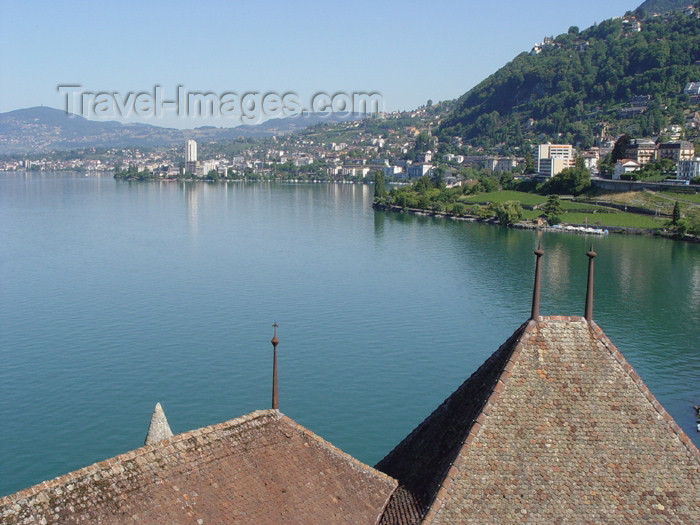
(407, 51)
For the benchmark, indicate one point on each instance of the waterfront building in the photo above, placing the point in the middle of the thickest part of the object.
(393, 171)
(418, 170)
(354, 170)
(191, 156)
(553, 158)
(555, 426)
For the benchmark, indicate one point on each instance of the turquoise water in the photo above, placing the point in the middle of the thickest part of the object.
(117, 295)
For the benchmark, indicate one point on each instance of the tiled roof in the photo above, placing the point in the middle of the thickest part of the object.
(261, 468)
(421, 461)
(565, 432)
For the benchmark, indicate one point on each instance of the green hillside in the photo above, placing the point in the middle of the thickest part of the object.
(662, 6)
(582, 84)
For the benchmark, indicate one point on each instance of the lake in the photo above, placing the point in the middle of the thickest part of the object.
(117, 295)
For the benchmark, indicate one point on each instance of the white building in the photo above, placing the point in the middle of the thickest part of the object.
(393, 171)
(625, 166)
(591, 159)
(688, 169)
(354, 170)
(191, 156)
(190, 150)
(692, 88)
(418, 170)
(499, 164)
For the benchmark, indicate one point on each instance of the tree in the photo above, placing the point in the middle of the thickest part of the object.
(618, 151)
(570, 180)
(508, 212)
(529, 163)
(605, 166)
(552, 209)
(676, 217)
(459, 208)
(423, 184)
(379, 186)
(424, 142)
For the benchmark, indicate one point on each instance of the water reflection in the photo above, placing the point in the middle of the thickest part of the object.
(128, 312)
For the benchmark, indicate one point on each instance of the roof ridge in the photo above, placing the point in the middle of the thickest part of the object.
(525, 332)
(599, 335)
(422, 492)
(329, 447)
(135, 453)
(426, 421)
(665, 422)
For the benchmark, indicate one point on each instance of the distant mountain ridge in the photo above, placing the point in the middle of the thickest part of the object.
(580, 85)
(45, 129)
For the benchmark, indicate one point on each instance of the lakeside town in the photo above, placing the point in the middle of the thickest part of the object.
(402, 147)
(600, 185)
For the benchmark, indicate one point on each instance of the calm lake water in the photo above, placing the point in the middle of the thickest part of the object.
(116, 295)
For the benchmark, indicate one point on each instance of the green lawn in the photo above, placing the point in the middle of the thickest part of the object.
(578, 212)
(582, 206)
(688, 197)
(527, 199)
(531, 214)
(623, 219)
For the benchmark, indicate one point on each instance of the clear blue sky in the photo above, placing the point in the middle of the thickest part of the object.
(407, 51)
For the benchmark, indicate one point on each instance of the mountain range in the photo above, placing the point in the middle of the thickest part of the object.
(624, 75)
(45, 129)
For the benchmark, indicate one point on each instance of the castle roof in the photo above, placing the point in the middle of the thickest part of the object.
(554, 425)
(260, 468)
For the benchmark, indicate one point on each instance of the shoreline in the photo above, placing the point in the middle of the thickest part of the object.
(530, 226)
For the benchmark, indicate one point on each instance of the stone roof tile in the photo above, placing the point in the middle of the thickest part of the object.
(260, 468)
(571, 434)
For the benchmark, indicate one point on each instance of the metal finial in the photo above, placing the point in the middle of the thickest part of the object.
(274, 339)
(589, 288)
(275, 342)
(535, 313)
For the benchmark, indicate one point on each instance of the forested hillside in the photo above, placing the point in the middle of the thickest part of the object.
(662, 6)
(580, 85)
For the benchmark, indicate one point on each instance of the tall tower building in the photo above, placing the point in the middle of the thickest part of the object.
(553, 158)
(191, 156)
